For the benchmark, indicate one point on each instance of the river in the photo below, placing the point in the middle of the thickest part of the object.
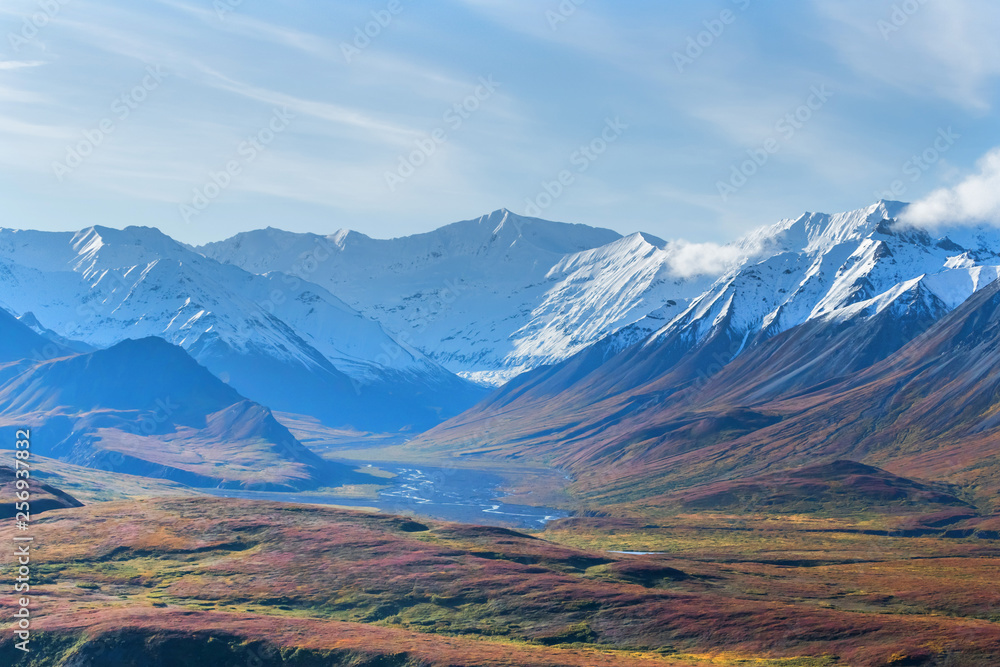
(451, 494)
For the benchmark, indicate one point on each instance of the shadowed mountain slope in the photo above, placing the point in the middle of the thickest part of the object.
(146, 407)
(898, 390)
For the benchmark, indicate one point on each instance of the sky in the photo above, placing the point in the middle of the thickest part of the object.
(694, 120)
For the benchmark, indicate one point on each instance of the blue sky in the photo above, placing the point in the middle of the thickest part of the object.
(208, 117)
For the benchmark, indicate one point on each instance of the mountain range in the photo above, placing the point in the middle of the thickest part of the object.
(487, 298)
(841, 337)
(820, 338)
(277, 339)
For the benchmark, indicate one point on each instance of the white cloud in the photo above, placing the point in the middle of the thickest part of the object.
(975, 200)
(688, 260)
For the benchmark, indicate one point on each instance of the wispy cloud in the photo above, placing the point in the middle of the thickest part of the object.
(944, 50)
(10, 94)
(20, 64)
(334, 113)
(15, 126)
(578, 27)
(243, 24)
(356, 120)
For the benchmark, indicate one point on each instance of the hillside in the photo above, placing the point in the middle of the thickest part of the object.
(44, 497)
(233, 581)
(146, 407)
(896, 380)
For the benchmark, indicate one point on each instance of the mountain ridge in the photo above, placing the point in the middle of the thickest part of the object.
(737, 364)
(488, 297)
(101, 286)
(146, 407)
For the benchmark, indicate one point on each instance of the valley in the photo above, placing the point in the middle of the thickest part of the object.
(788, 463)
(500, 333)
(464, 495)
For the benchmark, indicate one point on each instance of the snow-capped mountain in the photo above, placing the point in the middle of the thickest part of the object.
(487, 298)
(858, 271)
(848, 265)
(848, 336)
(278, 339)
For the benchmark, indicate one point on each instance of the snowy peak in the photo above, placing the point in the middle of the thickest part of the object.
(819, 232)
(120, 248)
(486, 297)
(343, 237)
(502, 228)
(634, 247)
(103, 286)
(654, 241)
(502, 236)
(847, 265)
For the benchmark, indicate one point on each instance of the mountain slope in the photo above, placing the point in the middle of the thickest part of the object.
(146, 407)
(487, 298)
(843, 487)
(278, 339)
(820, 264)
(710, 394)
(927, 410)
